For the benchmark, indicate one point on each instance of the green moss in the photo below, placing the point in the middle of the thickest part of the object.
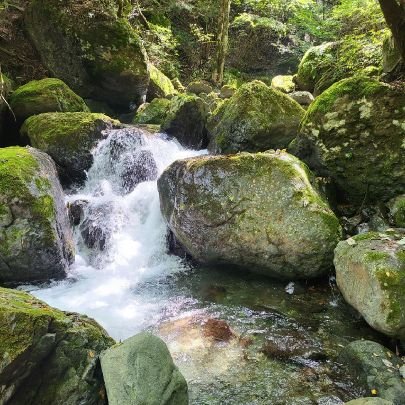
(46, 95)
(66, 131)
(254, 119)
(376, 256)
(283, 83)
(153, 113)
(160, 85)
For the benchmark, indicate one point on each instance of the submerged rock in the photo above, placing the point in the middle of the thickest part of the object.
(98, 54)
(354, 133)
(69, 139)
(186, 120)
(35, 237)
(137, 168)
(48, 357)
(255, 119)
(76, 211)
(370, 273)
(46, 95)
(140, 370)
(160, 85)
(259, 212)
(375, 368)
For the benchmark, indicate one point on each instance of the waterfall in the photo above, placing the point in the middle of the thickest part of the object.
(118, 280)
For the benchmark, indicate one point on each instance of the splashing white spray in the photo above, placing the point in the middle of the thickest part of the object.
(101, 284)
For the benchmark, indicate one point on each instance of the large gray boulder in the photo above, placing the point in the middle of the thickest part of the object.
(355, 133)
(376, 369)
(370, 273)
(35, 237)
(48, 357)
(259, 212)
(92, 49)
(256, 118)
(140, 371)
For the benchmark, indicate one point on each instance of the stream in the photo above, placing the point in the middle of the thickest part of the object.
(285, 337)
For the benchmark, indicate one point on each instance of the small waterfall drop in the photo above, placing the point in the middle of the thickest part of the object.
(123, 225)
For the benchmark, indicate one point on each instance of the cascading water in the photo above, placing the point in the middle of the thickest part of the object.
(125, 230)
(284, 339)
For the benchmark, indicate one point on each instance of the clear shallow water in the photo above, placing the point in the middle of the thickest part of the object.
(285, 338)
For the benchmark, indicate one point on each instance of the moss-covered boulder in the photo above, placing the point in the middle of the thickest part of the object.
(315, 63)
(376, 370)
(396, 208)
(283, 83)
(255, 119)
(160, 85)
(258, 212)
(69, 139)
(186, 120)
(199, 87)
(355, 133)
(85, 44)
(140, 370)
(331, 62)
(48, 357)
(35, 236)
(46, 95)
(153, 113)
(370, 273)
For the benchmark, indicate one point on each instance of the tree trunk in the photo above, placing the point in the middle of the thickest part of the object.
(222, 47)
(394, 13)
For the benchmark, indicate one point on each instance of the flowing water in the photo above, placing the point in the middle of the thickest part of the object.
(284, 338)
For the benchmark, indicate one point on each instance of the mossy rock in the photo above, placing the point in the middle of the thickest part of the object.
(86, 44)
(186, 120)
(283, 83)
(69, 139)
(375, 369)
(48, 357)
(227, 91)
(36, 241)
(254, 119)
(370, 273)
(258, 212)
(199, 87)
(315, 63)
(160, 85)
(355, 133)
(396, 208)
(153, 113)
(140, 370)
(331, 62)
(46, 95)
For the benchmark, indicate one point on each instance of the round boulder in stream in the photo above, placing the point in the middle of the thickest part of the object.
(36, 241)
(140, 370)
(370, 273)
(259, 212)
(69, 139)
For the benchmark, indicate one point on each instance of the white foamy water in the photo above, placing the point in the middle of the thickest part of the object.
(113, 285)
